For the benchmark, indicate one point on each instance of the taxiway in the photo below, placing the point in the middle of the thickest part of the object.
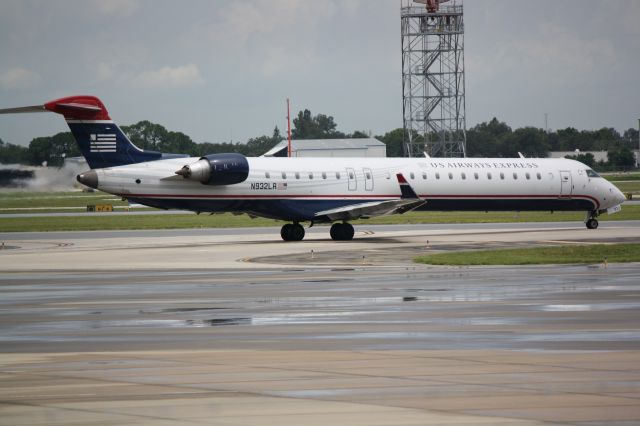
(236, 327)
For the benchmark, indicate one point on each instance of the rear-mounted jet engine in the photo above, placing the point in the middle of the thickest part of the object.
(217, 169)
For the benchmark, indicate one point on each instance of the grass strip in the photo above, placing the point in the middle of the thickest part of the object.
(580, 254)
(128, 222)
(124, 221)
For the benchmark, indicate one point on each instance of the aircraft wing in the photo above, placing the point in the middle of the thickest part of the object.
(375, 208)
(408, 201)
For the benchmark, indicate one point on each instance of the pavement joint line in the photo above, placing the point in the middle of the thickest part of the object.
(86, 410)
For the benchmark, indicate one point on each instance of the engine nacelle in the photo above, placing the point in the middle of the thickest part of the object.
(217, 169)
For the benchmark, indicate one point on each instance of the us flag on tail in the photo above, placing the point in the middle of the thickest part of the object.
(103, 142)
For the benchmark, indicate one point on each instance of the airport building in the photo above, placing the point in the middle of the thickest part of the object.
(359, 147)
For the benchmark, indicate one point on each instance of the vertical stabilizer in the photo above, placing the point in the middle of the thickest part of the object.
(100, 140)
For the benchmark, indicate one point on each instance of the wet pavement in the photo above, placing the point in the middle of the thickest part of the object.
(333, 339)
(527, 308)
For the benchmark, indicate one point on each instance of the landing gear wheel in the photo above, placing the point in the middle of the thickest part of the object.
(341, 232)
(285, 231)
(297, 232)
(592, 223)
(292, 232)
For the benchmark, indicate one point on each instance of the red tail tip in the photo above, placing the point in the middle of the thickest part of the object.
(79, 108)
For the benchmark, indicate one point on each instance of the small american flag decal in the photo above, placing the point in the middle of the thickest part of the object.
(282, 186)
(102, 142)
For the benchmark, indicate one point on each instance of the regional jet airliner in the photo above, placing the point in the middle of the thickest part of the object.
(324, 190)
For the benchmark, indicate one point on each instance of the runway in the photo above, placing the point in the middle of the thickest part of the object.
(236, 327)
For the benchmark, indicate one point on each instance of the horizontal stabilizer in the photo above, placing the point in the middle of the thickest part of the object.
(20, 110)
(72, 107)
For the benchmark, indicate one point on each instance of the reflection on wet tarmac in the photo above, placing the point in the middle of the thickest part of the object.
(443, 308)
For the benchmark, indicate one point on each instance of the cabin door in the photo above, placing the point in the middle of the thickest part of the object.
(368, 179)
(353, 183)
(566, 185)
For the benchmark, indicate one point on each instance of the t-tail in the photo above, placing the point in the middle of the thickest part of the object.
(100, 140)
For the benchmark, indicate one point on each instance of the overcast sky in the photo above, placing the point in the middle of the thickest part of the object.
(217, 70)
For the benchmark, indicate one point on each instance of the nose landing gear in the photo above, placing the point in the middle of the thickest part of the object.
(591, 221)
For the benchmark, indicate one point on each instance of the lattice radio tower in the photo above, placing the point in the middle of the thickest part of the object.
(433, 78)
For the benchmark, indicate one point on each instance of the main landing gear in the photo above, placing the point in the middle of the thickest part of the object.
(292, 232)
(338, 232)
(341, 231)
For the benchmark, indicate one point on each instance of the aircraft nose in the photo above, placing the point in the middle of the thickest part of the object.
(618, 196)
(89, 179)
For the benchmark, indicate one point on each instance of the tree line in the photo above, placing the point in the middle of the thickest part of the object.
(489, 139)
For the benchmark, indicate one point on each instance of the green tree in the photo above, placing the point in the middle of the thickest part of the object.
(358, 135)
(630, 138)
(529, 141)
(53, 149)
(307, 126)
(621, 158)
(487, 139)
(146, 135)
(587, 159)
(178, 143)
(393, 140)
(13, 154)
(568, 139)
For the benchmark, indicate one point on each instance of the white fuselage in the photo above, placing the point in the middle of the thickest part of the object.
(295, 188)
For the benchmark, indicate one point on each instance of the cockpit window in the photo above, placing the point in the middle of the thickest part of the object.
(591, 173)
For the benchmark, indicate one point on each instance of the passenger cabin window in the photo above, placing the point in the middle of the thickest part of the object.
(367, 175)
(515, 176)
(489, 176)
(424, 176)
(267, 175)
(527, 175)
(450, 175)
(464, 176)
(324, 175)
(475, 175)
(538, 176)
(284, 175)
(592, 174)
(310, 175)
(502, 176)
(297, 175)
(412, 175)
(338, 175)
(437, 175)
(351, 176)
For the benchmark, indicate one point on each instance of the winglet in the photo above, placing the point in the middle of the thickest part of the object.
(405, 189)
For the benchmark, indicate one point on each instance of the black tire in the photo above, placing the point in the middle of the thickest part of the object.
(592, 223)
(348, 232)
(297, 232)
(341, 232)
(285, 232)
(335, 232)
